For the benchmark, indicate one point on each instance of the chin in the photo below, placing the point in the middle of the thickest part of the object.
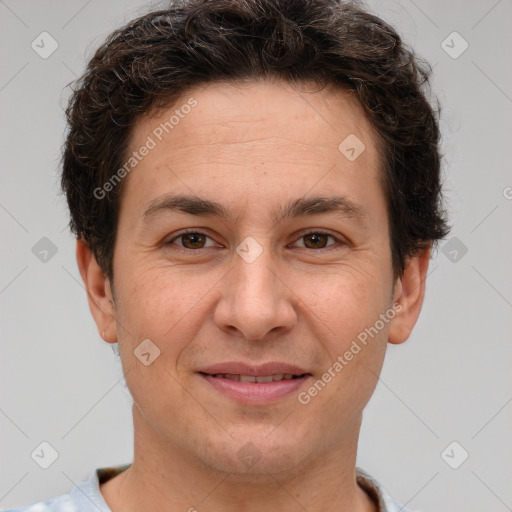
(255, 455)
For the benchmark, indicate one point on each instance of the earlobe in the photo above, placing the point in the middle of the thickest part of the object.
(99, 293)
(409, 293)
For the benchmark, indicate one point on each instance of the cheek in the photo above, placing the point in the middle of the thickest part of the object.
(151, 307)
(347, 300)
(347, 311)
(165, 305)
(153, 299)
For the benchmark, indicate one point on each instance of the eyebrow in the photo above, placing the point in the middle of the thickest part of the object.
(300, 207)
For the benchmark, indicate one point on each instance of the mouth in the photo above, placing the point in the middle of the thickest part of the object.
(277, 377)
(255, 384)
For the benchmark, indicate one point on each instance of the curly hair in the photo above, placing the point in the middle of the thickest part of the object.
(153, 60)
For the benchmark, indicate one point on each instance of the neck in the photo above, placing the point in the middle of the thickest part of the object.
(163, 478)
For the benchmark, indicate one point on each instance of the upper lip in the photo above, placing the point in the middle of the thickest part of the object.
(238, 368)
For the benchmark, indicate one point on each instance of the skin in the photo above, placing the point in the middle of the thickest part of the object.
(251, 147)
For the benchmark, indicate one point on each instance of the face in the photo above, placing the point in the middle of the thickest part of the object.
(250, 246)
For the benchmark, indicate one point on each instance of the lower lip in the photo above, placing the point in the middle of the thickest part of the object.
(256, 392)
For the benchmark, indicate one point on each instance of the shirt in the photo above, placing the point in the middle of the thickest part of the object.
(86, 495)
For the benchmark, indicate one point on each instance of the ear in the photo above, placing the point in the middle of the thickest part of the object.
(99, 293)
(409, 294)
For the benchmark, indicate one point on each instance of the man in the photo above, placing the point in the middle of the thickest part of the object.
(255, 190)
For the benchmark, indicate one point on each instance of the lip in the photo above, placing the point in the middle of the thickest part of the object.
(239, 368)
(255, 392)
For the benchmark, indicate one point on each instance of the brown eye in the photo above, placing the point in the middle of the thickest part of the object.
(193, 240)
(316, 240)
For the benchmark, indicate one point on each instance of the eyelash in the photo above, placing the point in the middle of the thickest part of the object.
(338, 242)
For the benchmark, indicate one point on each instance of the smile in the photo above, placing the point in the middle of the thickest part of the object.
(251, 378)
(255, 389)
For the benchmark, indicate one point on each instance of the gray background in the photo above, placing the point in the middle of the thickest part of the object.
(60, 383)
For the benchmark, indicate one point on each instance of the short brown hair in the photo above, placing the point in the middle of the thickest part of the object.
(154, 59)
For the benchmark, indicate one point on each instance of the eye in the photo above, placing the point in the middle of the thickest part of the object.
(318, 240)
(191, 240)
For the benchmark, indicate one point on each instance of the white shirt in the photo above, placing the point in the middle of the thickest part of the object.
(86, 495)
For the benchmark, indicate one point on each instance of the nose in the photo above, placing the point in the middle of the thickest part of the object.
(255, 299)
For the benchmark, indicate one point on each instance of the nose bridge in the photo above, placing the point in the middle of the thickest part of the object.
(255, 281)
(254, 300)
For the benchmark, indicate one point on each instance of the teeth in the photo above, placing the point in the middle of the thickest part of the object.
(266, 378)
(230, 376)
(250, 378)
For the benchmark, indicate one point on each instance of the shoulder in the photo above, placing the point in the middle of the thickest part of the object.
(84, 497)
(62, 503)
(385, 503)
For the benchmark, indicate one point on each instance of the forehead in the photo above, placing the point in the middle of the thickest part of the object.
(269, 108)
(259, 133)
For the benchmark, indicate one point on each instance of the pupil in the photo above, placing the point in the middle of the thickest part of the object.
(193, 238)
(317, 238)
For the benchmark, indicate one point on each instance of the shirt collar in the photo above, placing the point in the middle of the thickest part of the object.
(384, 502)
